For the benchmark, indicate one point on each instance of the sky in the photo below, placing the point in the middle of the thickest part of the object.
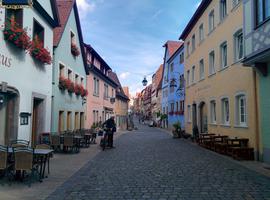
(129, 34)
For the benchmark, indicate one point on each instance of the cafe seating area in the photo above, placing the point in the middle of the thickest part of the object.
(237, 148)
(20, 162)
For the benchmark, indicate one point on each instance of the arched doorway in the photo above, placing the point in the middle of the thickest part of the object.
(9, 112)
(203, 118)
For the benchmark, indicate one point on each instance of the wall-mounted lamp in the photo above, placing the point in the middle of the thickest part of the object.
(1, 100)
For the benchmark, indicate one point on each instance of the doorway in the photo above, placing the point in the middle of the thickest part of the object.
(81, 120)
(203, 118)
(37, 120)
(194, 115)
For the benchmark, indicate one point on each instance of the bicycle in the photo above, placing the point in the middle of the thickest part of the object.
(104, 141)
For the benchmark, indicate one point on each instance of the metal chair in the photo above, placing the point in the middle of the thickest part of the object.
(55, 142)
(45, 146)
(5, 165)
(68, 143)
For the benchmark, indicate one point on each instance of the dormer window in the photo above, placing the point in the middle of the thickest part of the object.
(74, 48)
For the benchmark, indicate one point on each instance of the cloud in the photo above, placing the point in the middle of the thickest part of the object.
(124, 75)
(156, 14)
(85, 7)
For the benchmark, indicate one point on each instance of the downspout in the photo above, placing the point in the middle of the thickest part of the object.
(53, 85)
(257, 134)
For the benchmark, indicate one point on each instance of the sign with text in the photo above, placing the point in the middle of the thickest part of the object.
(16, 4)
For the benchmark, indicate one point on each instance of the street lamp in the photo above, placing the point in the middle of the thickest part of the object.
(144, 82)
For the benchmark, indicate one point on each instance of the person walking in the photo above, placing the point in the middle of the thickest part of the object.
(111, 127)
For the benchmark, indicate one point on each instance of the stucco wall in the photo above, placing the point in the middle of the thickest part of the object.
(62, 100)
(226, 82)
(27, 75)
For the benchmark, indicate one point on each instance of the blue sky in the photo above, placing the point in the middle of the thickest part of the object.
(129, 34)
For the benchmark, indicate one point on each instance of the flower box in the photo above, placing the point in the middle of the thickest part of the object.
(75, 50)
(77, 89)
(38, 52)
(16, 35)
(62, 83)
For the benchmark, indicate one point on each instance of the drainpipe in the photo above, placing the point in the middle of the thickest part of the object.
(257, 131)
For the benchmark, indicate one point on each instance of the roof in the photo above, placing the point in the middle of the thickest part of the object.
(172, 46)
(64, 7)
(119, 91)
(200, 10)
(176, 52)
(159, 75)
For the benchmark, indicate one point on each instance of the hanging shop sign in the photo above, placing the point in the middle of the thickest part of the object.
(16, 4)
(5, 61)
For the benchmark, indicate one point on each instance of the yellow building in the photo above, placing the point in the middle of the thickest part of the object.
(220, 93)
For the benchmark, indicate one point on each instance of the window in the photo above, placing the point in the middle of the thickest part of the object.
(201, 69)
(189, 113)
(69, 125)
(193, 74)
(166, 74)
(182, 80)
(201, 33)
(211, 21)
(70, 74)
(193, 42)
(76, 78)
(82, 80)
(106, 91)
(16, 15)
(112, 93)
(212, 63)
(188, 72)
(225, 111)
(223, 55)
(72, 38)
(96, 86)
(188, 46)
(223, 9)
(38, 33)
(171, 67)
(213, 114)
(241, 110)
(235, 3)
(177, 107)
(181, 57)
(61, 70)
(238, 45)
(262, 11)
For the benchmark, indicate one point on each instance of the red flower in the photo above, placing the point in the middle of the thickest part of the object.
(77, 89)
(39, 52)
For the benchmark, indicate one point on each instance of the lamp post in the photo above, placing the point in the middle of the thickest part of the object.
(144, 82)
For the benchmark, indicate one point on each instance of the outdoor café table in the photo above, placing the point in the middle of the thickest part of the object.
(43, 155)
(217, 140)
(204, 137)
(242, 142)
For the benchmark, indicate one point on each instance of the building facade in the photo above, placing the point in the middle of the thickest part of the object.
(256, 31)
(147, 107)
(217, 99)
(170, 48)
(69, 71)
(121, 104)
(176, 94)
(156, 94)
(101, 89)
(25, 74)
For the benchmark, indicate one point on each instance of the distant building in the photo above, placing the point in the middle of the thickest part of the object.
(256, 31)
(156, 94)
(121, 104)
(170, 49)
(101, 89)
(147, 107)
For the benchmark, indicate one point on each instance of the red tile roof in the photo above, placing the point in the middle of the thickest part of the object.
(172, 46)
(119, 91)
(159, 75)
(64, 9)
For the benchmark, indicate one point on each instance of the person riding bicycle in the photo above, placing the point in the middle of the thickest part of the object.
(110, 129)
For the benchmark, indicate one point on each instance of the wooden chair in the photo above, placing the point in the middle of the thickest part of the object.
(19, 143)
(5, 166)
(68, 143)
(55, 142)
(24, 161)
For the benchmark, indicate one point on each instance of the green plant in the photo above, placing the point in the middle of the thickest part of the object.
(158, 114)
(163, 116)
(177, 126)
(94, 125)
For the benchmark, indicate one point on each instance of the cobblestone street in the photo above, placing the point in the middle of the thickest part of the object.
(149, 164)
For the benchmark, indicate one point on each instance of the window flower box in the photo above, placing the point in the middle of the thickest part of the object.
(75, 50)
(77, 89)
(70, 86)
(83, 91)
(38, 52)
(16, 35)
(171, 113)
(62, 83)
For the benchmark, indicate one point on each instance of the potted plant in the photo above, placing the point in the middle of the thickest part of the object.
(75, 50)
(62, 83)
(38, 52)
(77, 89)
(177, 130)
(16, 35)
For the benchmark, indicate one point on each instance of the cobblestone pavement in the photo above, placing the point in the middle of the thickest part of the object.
(149, 164)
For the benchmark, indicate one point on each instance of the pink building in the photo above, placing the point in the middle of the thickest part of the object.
(101, 89)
